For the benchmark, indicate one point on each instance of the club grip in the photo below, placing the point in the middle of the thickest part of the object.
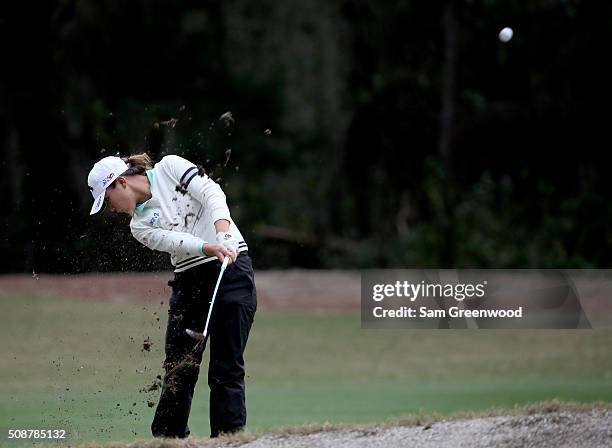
(225, 262)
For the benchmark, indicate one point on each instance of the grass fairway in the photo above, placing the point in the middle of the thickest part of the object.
(80, 366)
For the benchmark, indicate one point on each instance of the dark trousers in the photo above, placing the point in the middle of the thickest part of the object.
(230, 323)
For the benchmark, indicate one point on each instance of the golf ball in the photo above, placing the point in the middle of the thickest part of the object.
(506, 34)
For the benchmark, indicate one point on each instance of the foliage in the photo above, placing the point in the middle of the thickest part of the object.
(338, 132)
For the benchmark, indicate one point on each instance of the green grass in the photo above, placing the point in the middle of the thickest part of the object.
(68, 364)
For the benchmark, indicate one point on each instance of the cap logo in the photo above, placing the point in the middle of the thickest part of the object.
(107, 179)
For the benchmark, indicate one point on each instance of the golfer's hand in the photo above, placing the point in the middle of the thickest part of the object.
(219, 251)
(229, 241)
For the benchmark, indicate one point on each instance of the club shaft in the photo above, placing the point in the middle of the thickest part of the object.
(212, 301)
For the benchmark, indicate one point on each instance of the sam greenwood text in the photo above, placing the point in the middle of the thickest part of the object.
(453, 311)
(457, 291)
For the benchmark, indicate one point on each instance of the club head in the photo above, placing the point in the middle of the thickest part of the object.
(195, 335)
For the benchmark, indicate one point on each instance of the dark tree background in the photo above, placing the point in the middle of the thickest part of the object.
(366, 133)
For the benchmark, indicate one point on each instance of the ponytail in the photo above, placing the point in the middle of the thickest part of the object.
(137, 164)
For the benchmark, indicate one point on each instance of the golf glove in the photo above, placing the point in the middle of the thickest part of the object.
(228, 240)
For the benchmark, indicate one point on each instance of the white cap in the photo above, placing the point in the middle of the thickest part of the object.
(101, 176)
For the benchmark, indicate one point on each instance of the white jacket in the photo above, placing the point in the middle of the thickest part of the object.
(179, 218)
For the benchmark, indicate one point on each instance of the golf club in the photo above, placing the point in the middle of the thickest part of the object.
(204, 335)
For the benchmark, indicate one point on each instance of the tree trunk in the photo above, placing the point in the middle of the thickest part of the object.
(447, 128)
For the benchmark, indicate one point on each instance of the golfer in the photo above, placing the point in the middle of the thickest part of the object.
(181, 211)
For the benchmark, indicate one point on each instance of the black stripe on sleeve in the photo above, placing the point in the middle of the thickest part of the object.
(186, 184)
(185, 174)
